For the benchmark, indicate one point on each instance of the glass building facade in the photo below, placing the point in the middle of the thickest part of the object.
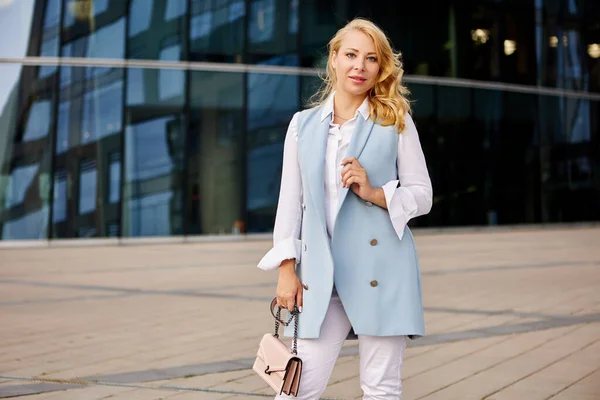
(134, 118)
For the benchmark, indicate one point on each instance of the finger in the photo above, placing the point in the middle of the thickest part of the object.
(349, 160)
(290, 301)
(349, 167)
(352, 180)
(347, 176)
(299, 298)
(356, 178)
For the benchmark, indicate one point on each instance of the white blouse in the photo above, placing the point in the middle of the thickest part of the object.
(412, 199)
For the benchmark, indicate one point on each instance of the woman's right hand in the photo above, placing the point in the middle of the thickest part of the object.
(289, 287)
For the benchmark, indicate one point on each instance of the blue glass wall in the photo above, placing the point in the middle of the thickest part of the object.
(505, 99)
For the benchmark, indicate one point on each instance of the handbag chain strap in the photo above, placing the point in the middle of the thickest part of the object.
(293, 315)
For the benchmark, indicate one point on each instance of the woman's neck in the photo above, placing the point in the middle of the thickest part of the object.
(345, 106)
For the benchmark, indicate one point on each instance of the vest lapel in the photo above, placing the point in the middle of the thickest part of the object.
(357, 143)
(315, 149)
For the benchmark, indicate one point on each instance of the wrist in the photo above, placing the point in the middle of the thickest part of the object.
(372, 195)
(377, 197)
(288, 266)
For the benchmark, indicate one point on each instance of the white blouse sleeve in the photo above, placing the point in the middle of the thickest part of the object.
(414, 196)
(288, 220)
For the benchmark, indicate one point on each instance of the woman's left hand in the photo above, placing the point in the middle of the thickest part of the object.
(355, 177)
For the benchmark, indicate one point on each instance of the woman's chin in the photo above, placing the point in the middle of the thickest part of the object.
(354, 90)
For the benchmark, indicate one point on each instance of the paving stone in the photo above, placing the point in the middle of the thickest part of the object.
(495, 302)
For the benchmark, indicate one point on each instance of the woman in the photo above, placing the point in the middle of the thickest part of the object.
(353, 175)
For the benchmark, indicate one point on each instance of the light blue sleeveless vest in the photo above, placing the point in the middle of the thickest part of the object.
(376, 274)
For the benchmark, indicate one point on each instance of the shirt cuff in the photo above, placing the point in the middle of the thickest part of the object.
(401, 205)
(284, 250)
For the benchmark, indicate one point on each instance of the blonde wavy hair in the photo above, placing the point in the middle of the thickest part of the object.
(388, 99)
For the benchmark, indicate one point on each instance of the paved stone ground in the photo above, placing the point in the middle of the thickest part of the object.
(510, 315)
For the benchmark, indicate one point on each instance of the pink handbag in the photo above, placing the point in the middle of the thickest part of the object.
(275, 363)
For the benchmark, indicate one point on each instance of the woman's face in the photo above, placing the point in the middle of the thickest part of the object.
(356, 65)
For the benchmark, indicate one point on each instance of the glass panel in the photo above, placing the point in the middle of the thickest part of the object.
(38, 121)
(175, 9)
(88, 143)
(217, 30)
(262, 21)
(215, 169)
(89, 12)
(49, 45)
(49, 49)
(140, 16)
(26, 123)
(269, 36)
(82, 17)
(107, 42)
(52, 13)
(100, 6)
(152, 36)
(59, 206)
(272, 101)
(114, 180)
(16, 17)
(88, 184)
(135, 86)
(154, 152)
(171, 82)
(153, 167)
(102, 112)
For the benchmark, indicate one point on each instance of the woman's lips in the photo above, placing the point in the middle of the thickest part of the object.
(357, 79)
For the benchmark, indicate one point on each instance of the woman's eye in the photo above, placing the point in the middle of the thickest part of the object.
(350, 55)
(373, 59)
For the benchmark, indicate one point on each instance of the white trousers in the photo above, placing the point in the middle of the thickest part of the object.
(380, 359)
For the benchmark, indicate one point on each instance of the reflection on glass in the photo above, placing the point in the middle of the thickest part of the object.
(83, 10)
(148, 150)
(65, 71)
(106, 42)
(217, 27)
(88, 148)
(87, 187)
(175, 9)
(100, 6)
(18, 183)
(272, 101)
(293, 22)
(59, 200)
(38, 122)
(214, 166)
(52, 16)
(24, 211)
(114, 179)
(62, 129)
(262, 20)
(140, 16)
(171, 82)
(152, 203)
(49, 45)
(272, 31)
(29, 226)
(102, 112)
(49, 49)
(135, 86)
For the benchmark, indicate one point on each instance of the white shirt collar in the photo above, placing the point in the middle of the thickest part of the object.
(328, 108)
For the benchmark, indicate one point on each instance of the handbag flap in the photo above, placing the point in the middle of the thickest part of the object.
(274, 353)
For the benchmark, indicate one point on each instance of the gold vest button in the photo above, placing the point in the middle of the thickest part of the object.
(374, 242)
(374, 283)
